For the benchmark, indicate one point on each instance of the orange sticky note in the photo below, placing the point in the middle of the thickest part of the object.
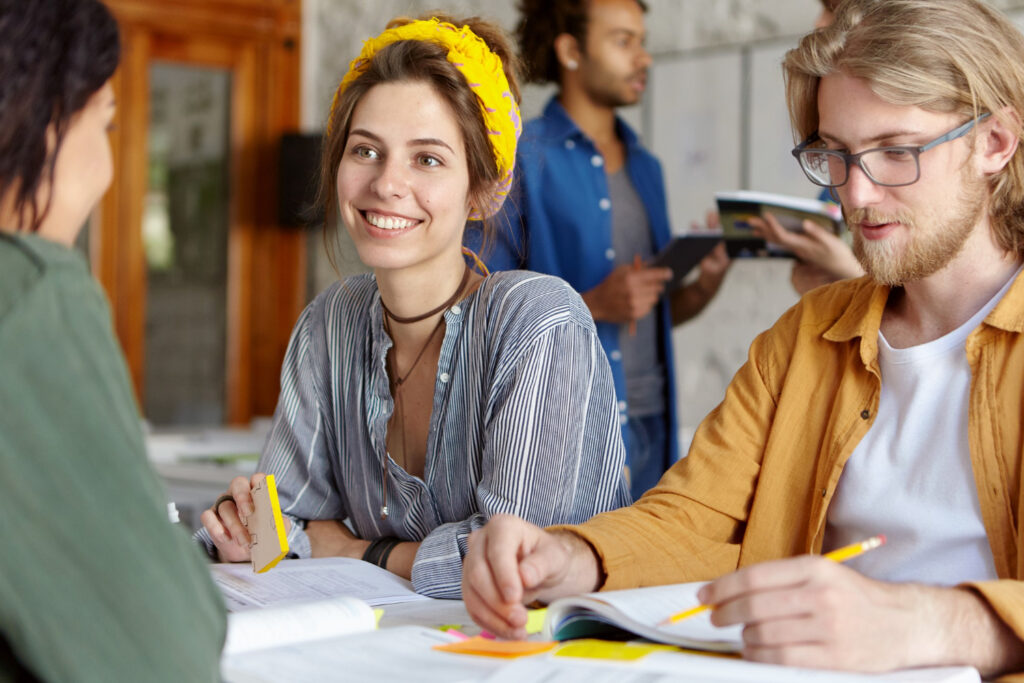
(505, 649)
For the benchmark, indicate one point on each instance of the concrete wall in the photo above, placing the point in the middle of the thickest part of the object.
(710, 348)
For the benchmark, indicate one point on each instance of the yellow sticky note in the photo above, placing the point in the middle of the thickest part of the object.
(535, 620)
(485, 647)
(608, 649)
(377, 614)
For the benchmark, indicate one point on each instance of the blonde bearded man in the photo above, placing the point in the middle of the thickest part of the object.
(885, 404)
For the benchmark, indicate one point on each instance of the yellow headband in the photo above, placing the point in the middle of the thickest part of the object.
(484, 73)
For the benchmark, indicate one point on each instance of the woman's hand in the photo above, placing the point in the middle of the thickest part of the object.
(226, 522)
(815, 246)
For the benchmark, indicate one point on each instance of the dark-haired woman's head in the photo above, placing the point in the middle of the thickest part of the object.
(56, 58)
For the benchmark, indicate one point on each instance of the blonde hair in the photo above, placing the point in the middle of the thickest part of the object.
(949, 56)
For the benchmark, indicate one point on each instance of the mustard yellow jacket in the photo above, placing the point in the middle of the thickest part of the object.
(764, 465)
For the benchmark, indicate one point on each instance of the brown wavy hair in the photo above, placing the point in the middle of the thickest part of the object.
(948, 56)
(424, 61)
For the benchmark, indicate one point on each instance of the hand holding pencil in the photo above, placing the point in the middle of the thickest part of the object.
(837, 555)
(811, 611)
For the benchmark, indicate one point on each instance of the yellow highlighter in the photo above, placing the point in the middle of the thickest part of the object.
(838, 555)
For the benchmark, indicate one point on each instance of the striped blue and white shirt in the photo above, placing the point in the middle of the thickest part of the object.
(524, 421)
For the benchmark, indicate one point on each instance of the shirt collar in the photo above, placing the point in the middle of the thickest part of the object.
(863, 315)
(1009, 312)
(560, 125)
(862, 318)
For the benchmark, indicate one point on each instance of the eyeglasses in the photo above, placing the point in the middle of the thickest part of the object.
(888, 166)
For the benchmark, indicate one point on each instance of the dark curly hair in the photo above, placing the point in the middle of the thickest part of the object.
(54, 55)
(540, 22)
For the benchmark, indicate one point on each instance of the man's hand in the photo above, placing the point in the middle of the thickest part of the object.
(627, 294)
(811, 612)
(511, 562)
(690, 300)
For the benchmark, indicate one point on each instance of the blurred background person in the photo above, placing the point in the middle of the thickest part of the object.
(592, 210)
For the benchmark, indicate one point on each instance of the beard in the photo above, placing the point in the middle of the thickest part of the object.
(609, 91)
(929, 249)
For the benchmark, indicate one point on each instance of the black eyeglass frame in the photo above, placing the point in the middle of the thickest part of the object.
(850, 159)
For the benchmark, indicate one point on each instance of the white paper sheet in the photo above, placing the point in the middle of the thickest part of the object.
(293, 581)
(256, 629)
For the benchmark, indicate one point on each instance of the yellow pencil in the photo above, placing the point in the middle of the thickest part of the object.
(838, 555)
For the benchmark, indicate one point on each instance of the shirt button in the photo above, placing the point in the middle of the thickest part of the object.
(609, 254)
(605, 203)
(622, 406)
(445, 377)
(865, 414)
(597, 161)
(616, 355)
(569, 144)
(456, 309)
(623, 419)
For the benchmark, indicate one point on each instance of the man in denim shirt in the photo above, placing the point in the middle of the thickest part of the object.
(591, 209)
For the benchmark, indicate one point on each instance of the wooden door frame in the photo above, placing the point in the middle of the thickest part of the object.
(258, 40)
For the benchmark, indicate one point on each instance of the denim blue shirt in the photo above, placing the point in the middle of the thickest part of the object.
(560, 223)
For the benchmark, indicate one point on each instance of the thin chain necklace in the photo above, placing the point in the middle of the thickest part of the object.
(399, 380)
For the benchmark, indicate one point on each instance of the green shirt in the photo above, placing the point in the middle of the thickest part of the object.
(95, 583)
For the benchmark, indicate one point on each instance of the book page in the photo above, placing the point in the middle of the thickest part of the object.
(641, 610)
(293, 581)
(295, 623)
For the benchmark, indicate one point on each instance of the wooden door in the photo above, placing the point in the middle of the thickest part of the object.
(254, 45)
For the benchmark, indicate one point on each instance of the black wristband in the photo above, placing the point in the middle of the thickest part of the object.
(379, 549)
(386, 553)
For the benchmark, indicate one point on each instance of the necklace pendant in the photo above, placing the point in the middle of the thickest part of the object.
(384, 512)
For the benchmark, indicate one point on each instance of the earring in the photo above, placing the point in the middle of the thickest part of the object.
(571, 65)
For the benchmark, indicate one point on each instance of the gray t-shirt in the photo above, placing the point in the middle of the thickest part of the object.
(641, 359)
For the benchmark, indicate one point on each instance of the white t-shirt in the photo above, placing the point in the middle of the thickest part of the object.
(910, 478)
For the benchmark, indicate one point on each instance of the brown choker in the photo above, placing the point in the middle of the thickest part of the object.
(434, 311)
(399, 380)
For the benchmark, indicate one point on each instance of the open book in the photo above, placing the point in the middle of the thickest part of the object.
(639, 612)
(736, 208)
(304, 600)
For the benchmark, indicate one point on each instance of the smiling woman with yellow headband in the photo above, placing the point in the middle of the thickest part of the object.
(420, 400)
